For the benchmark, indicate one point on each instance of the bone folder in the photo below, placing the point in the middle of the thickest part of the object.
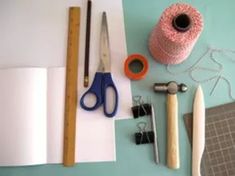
(198, 131)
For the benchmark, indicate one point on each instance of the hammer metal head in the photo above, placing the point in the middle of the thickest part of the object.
(171, 87)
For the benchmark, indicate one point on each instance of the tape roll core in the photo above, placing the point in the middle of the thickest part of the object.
(136, 75)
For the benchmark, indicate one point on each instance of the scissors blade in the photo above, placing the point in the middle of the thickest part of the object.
(105, 64)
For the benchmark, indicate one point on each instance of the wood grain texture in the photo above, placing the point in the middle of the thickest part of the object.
(173, 160)
(71, 86)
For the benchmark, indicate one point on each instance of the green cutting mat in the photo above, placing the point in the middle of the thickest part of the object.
(140, 17)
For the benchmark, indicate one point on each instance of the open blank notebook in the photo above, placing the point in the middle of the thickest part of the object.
(32, 116)
(34, 33)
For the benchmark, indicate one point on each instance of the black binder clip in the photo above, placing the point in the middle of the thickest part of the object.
(140, 109)
(143, 136)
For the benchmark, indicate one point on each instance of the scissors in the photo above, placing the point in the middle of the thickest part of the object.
(103, 78)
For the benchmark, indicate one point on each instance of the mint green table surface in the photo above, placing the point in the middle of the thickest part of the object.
(140, 17)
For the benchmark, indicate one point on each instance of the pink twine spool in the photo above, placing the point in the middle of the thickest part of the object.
(177, 31)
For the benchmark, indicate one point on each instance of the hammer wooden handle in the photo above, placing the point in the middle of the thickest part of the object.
(173, 160)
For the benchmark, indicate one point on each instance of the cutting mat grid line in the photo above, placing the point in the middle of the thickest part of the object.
(220, 146)
(219, 154)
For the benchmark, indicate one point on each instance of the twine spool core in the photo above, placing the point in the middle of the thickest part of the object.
(182, 22)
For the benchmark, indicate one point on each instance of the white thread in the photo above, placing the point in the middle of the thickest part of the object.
(219, 76)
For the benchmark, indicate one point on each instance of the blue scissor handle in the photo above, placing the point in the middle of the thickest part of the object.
(108, 83)
(95, 89)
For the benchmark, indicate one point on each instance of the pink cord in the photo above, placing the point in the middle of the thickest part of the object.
(170, 46)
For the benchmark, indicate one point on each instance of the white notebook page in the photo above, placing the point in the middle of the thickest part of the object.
(95, 134)
(55, 114)
(23, 116)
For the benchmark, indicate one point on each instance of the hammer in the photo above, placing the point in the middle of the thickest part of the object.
(171, 88)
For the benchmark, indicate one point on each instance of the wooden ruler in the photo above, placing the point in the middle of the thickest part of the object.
(71, 86)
